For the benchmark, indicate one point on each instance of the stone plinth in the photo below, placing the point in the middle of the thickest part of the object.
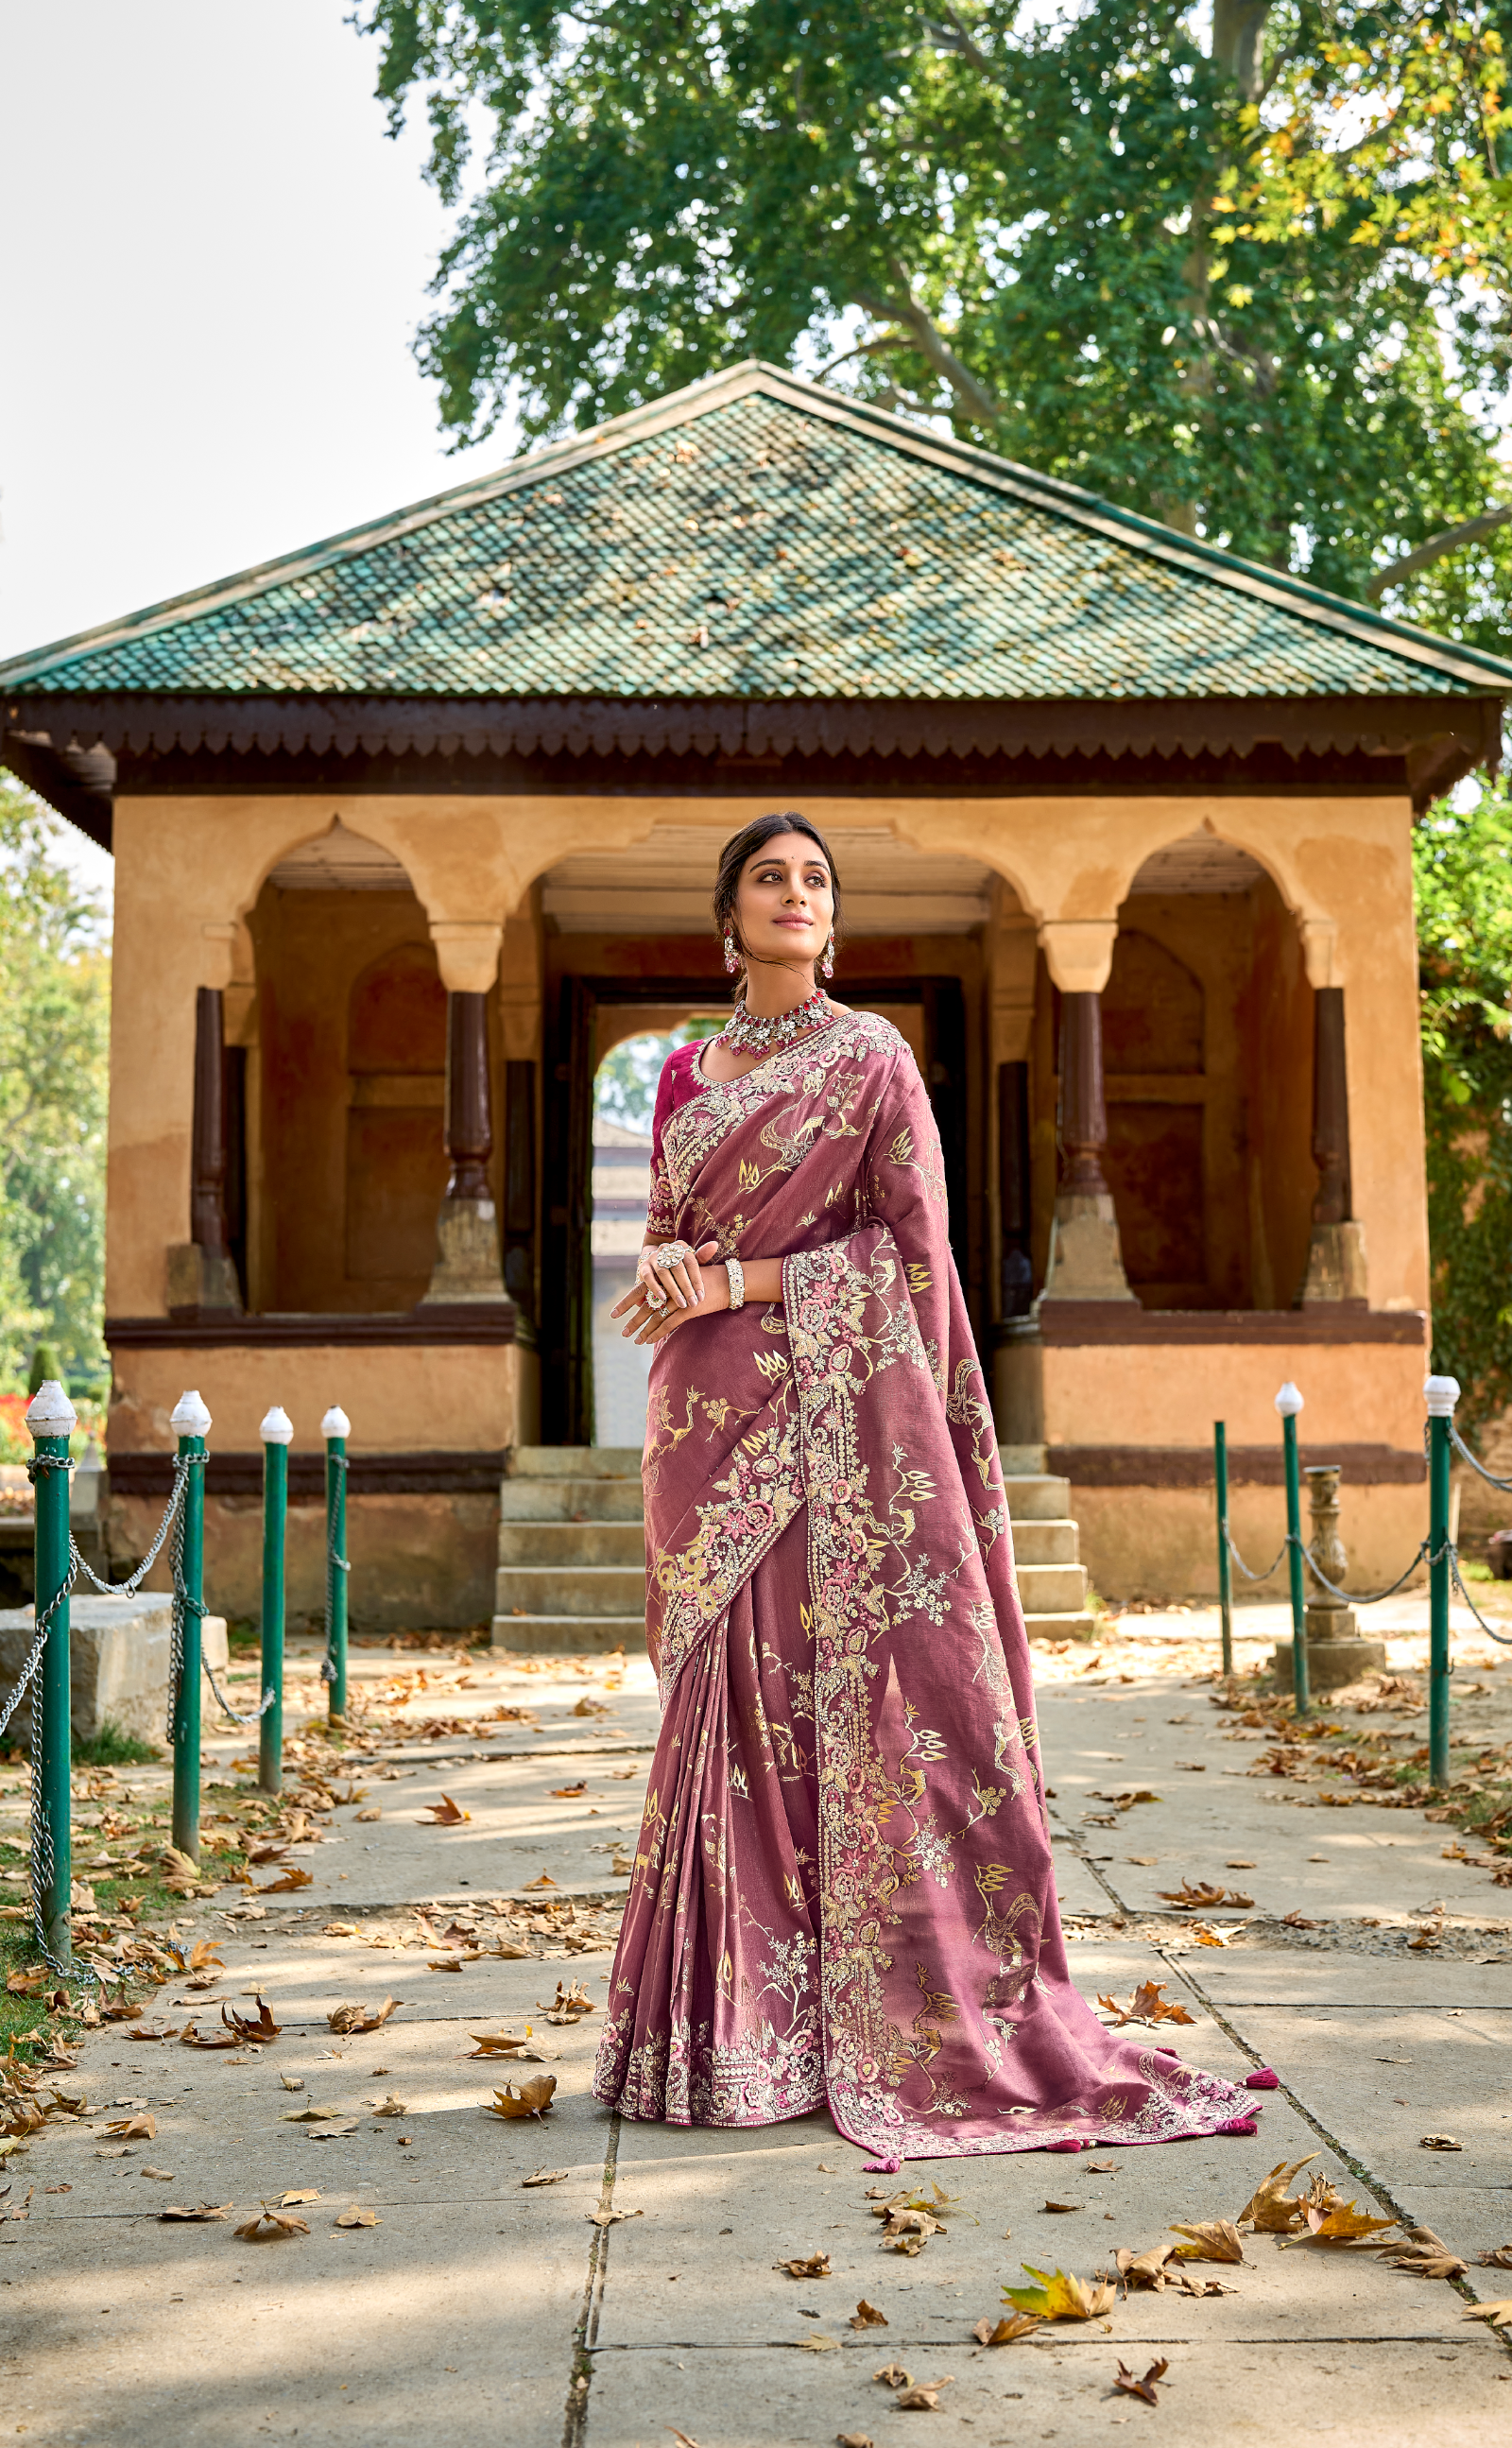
(118, 1656)
(1332, 1663)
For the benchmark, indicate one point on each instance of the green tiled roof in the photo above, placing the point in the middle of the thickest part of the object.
(758, 537)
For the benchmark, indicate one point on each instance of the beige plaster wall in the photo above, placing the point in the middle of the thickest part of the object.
(1140, 1394)
(420, 1563)
(188, 870)
(400, 1397)
(1161, 1542)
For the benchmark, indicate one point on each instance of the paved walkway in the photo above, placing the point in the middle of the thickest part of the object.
(634, 2299)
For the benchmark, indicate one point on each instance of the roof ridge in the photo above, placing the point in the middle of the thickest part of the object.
(1050, 495)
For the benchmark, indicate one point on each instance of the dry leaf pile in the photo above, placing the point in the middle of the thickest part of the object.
(908, 2219)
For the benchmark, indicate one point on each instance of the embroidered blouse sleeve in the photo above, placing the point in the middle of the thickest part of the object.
(661, 1221)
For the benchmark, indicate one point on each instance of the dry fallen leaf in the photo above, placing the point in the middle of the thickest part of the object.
(356, 2217)
(814, 2344)
(291, 2081)
(390, 2106)
(1270, 2209)
(1337, 2222)
(331, 2128)
(1147, 2005)
(159, 2175)
(924, 2398)
(866, 2316)
(366, 1818)
(568, 1793)
(362, 2018)
(1144, 2387)
(1499, 2314)
(202, 2216)
(816, 2266)
(1058, 2296)
(1440, 2142)
(134, 2129)
(893, 2375)
(612, 2218)
(307, 2114)
(1066, 2207)
(192, 2038)
(270, 2226)
(306, 2194)
(854, 2439)
(570, 2005)
(1425, 2255)
(284, 1887)
(445, 1813)
(1500, 2259)
(1187, 1897)
(545, 2176)
(531, 2099)
(1003, 2333)
(1210, 2240)
(544, 1880)
(260, 2027)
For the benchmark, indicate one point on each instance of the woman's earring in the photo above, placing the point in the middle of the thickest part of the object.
(827, 965)
(732, 958)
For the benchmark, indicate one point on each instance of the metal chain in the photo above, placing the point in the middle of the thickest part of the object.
(1466, 1455)
(335, 1564)
(1244, 1567)
(1503, 1639)
(1349, 1597)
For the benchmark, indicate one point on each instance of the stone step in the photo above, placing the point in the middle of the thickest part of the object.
(570, 1635)
(1052, 1589)
(1038, 1498)
(562, 1545)
(570, 1499)
(1044, 1542)
(1082, 1625)
(569, 1589)
(575, 1461)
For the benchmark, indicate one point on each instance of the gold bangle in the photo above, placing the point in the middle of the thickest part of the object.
(737, 1275)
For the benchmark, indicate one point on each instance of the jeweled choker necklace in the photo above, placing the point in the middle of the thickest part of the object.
(747, 1032)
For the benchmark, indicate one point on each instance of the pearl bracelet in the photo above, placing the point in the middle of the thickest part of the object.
(737, 1275)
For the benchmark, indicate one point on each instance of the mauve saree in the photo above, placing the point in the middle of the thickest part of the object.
(843, 1891)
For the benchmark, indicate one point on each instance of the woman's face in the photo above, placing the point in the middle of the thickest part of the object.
(785, 905)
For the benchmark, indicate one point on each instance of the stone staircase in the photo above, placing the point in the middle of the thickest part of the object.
(571, 1576)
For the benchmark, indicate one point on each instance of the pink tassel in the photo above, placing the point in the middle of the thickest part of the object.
(1262, 2079)
(888, 2166)
(1240, 2125)
(1064, 2146)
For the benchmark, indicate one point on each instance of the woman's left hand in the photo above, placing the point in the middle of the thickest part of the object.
(644, 1324)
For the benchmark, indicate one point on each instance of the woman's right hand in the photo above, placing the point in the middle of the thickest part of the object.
(668, 1272)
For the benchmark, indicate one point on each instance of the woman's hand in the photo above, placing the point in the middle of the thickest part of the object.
(668, 1273)
(666, 1296)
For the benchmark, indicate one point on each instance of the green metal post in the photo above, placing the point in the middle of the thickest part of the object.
(191, 1420)
(335, 1428)
(51, 1417)
(1289, 1402)
(1220, 1475)
(1441, 1393)
(277, 1428)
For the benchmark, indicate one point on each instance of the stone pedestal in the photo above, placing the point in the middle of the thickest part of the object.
(1085, 1262)
(1332, 1663)
(1335, 1265)
(1337, 1652)
(467, 1265)
(118, 1659)
(200, 1279)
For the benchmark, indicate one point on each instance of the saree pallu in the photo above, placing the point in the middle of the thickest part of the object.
(842, 1890)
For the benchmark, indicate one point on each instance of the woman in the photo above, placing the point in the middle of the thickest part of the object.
(842, 1889)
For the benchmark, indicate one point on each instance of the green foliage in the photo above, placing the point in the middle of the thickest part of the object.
(1212, 283)
(625, 1085)
(55, 1087)
(47, 1363)
(1464, 863)
(113, 1748)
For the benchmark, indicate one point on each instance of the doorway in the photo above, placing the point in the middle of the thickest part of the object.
(594, 1013)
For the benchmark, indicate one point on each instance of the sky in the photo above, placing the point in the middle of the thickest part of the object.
(219, 258)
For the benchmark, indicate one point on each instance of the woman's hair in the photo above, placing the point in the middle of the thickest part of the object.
(744, 845)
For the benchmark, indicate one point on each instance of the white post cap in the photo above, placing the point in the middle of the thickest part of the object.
(335, 1423)
(1441, 1394)
(277, 1428)
(189, 1416)
(1289, 1402)
(50, 1413)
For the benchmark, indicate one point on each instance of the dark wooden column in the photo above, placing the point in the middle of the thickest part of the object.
(1083, 1109)
(519, 1184)
(207, 1178)
(1014, 1209)
(1331, 1109)
(469, 1116)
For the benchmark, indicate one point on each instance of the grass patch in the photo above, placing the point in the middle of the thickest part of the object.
(112, 1746)
(243, 1639)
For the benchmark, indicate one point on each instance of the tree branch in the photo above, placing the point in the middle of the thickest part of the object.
(1436, 548)
(978, 404)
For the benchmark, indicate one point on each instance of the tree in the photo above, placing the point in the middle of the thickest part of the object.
(1463, 862)
(1259, 289)
(55, 1087)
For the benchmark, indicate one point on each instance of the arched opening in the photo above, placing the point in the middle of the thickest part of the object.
(346, 1083)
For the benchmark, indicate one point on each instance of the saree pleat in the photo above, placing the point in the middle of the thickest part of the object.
(844, 1889)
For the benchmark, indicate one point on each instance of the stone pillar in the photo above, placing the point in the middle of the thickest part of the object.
(1338, 1653)
(1086, 1261)
(202, 1274)
(466, 1267)
(519, 1184)
(1335, 1269)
